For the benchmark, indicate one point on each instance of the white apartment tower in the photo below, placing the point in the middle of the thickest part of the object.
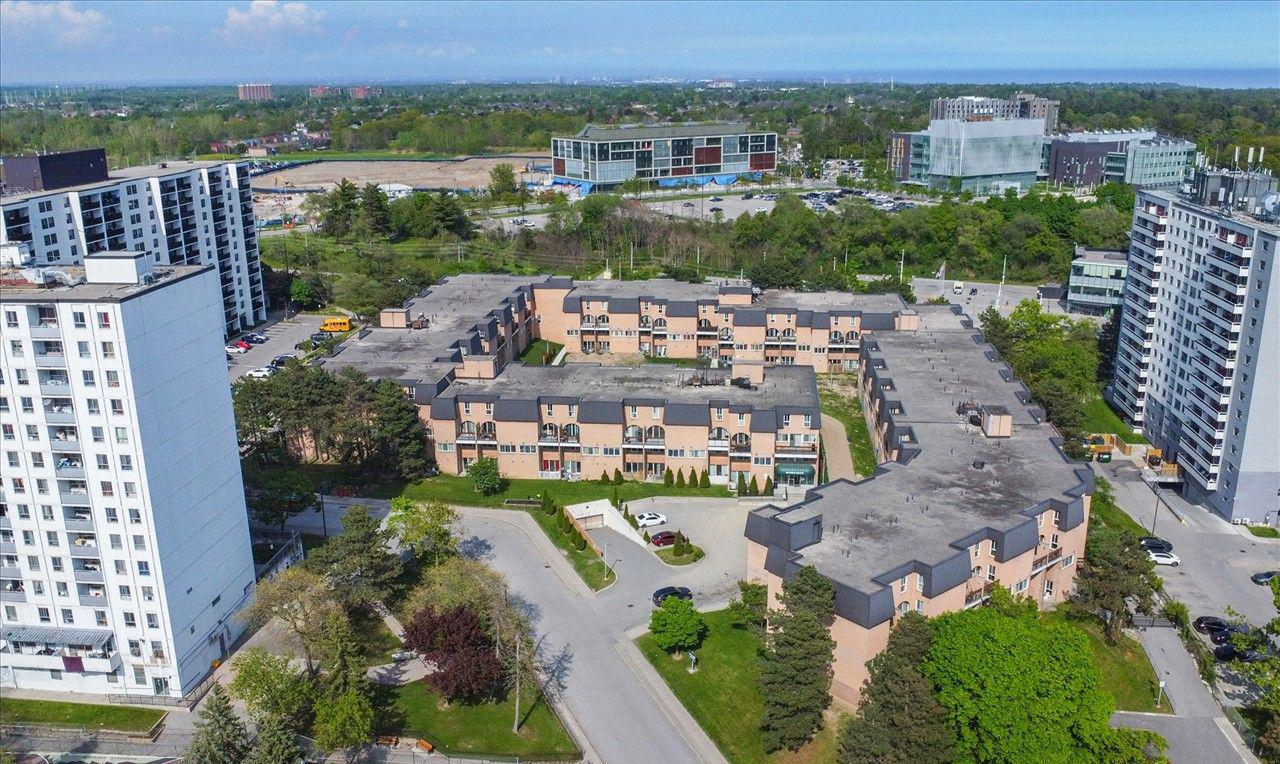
(1198, 362)
(69, 205)
(124, 541)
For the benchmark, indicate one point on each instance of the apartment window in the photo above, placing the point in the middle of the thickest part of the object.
(992, 547)
(904, 607)
(33, 432)
(55, 564)
(51, 538)
(139, 543)
(87, 377)
(77, 319)
(125, 592)
(15, 348)
(116, 541)
(112, 515)
(153, 621)
(108, 350)
(919, 583)
(33, 563)
(991, 572)
(126, 463)
(1053, 541)
(104, 320)
(902, 584)
(100, 617)
(148, 595)
(130, 490)
(113, 379)
(61, 588)
(67, 616)
(108, 489)
(11, 319)
(920, 606)
(1068, 561)
(82, 348)
(10, 613)
(121, 567)
(102, 461)
(94, 406)
(43, 614)
(98, 434)
(144, 568)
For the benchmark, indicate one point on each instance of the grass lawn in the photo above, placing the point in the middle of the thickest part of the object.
(538, 350)
(1263, 531)
(594, 572)
(57, 713)
(1126, 672)
(415, 710)
(847, 409)
(1114, 517)
(668, 555)
(458, 489)
(1099, 417)
(723, 695)
(374, 641)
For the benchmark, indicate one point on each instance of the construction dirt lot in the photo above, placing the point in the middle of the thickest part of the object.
(460, 173)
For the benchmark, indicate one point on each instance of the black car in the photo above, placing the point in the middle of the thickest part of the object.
(280, 360)
(716, 209)
(748, 195)
(319, 337)
(679, 592)
(1155, 544)
(1208, 624)
(1223, 636)
(1264, 578)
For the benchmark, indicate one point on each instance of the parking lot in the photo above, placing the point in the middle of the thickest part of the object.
(1005, 299)
(282, 339)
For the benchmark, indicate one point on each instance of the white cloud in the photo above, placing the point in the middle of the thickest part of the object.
(267, 17)
(453, 50)
(402, 24)
(68, 24)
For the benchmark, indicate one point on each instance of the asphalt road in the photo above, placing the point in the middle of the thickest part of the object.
(282, 339)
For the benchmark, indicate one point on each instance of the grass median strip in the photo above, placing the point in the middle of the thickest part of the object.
(1126, 671)
(55, 713)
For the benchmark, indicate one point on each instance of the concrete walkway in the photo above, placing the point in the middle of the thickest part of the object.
(835, 443)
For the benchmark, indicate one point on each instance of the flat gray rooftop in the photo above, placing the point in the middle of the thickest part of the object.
(915, 511)
(14, 288)
(1102, 255)
(828, 301)
(663, 289)
(782, 386)
(451, 309)
(676, 130)
(114, 177)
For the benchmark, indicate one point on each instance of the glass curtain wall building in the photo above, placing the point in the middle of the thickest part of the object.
(668, 155)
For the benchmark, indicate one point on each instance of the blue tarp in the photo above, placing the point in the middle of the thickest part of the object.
(702, 180)
(584, 185)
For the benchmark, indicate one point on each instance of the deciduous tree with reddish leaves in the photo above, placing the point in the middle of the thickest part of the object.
(455, 640)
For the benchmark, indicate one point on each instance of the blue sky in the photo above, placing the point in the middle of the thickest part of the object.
(310, 40)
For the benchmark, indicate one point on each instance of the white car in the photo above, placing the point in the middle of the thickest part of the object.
(529, 224)
(236, 349)
(262, 372)
(1164, 558)
(650, 519)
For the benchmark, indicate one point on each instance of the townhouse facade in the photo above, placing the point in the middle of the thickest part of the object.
(64, 207)
(124, 539)
(752, 410)
(1200, 346)
(972, 490)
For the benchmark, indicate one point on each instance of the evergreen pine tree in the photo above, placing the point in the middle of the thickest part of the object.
(398, 434)
(704, 480)
(742, 484)
(616, 499)
(276, 744)
(604, 477)
(795, 671)
(668, 478)
(753, 488)
(768, 486)
(617, 476)
(220, 736)
(680, 478)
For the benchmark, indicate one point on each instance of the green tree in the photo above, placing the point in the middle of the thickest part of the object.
(751, 608)
(303, 294)
(485, 477)
(270, 687)
(899, 721)
(281, 495)
(742, 484)
(356, 562)
(1115, 569)
(339, 210)
(680, 478)
(753, 488)
(1017, 689)
(276, 743)
(502, 180)
(302, 600)
(426, 528)
(704, 480)
(617, 476)
(344, 672)
(399, 437)
(343, 721)
(676, 626)
(795, 671)
(220, 736)
(668, 479)
(375, 212)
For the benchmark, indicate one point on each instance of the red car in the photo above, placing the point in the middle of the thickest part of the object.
(663, 538)
(242, 344)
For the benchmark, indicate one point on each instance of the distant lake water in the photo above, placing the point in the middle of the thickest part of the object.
(1208, 78)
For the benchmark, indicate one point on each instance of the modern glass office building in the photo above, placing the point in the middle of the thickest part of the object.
(982, 156)
(668, 155)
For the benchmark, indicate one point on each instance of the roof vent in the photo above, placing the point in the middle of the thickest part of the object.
(979, 464)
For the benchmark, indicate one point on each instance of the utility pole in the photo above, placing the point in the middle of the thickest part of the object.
(515, 721)
(1004, 265)
(902, 262)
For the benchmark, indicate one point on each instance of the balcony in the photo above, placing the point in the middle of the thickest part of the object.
(98, 661)
(93, 598)
(46, 331)
(976, 595)
(1045, 562)
(64, 445)
(718, 445)
(59, 414)
(87, 576)
(51, 361)
(793, 449)
(78, 522)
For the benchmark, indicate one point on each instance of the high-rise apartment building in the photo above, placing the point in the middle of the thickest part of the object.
(668, 155)
(254, 92)
(124, 540)
(977, 108)
(66, 206)
(1198, 363)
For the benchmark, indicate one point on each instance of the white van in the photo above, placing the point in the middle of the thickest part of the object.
(958, 288)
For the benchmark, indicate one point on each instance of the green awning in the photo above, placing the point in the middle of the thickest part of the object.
(802, 470)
